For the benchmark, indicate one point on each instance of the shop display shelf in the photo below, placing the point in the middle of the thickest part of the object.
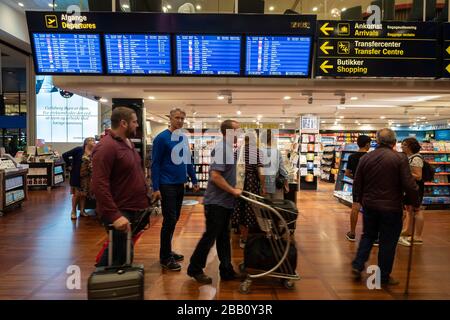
(436, 184)
(434, 162)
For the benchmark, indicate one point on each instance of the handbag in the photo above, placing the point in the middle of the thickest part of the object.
(279, 181)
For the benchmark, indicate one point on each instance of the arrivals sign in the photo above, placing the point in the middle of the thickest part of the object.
(389, 49)
(446, 51)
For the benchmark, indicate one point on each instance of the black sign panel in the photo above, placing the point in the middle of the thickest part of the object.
(446, 51)
(389, 49)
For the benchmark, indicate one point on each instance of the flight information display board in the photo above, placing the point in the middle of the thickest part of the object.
(67, 53)
(138, 54)
(208, 54)
(277, 56)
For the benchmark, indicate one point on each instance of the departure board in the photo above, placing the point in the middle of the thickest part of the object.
(138, 54)
(277, 56)
(208, 55)
(67, 53)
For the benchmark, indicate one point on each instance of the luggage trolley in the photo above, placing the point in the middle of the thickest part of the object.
(277, 225)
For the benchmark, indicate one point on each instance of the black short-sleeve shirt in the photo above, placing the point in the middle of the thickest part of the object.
(353, 161)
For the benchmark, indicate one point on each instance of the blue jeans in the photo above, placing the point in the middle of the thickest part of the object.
(171, 202)
(387, 225)
(218, 231)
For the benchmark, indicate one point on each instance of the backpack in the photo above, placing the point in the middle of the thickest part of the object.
(427, 171)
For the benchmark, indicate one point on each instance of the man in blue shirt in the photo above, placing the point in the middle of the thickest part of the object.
(171, 164)
(219, 203)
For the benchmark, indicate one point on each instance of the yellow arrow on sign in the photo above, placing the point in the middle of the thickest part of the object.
(448, 68)
(448, 50)
(324, 66)
(324, 28)
(324, 47)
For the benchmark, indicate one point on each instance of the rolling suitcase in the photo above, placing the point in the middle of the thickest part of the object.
(117, 282)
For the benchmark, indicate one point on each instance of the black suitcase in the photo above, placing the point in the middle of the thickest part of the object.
(258, 254)
(117, 282)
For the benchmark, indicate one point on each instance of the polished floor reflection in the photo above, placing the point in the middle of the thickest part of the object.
(39, 242)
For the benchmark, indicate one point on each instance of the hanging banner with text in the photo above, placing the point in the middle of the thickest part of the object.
(389, 49)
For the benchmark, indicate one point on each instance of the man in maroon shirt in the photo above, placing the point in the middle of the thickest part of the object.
(118, 181)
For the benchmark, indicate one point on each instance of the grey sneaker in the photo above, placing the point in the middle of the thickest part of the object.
(171, 265)
(350, 236)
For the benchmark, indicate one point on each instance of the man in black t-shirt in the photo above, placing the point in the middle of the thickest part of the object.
(352, 164)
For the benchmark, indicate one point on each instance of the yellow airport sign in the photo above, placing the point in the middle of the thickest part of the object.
(324, 66)
(325, 47)
(324, 28)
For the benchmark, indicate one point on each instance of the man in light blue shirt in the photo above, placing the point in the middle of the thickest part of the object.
(171, 165)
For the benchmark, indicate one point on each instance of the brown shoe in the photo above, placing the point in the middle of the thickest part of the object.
(201, 278)
(390, 282)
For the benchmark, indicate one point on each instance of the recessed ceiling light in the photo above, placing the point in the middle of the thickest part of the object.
(219, 116)
(160, 121)
(103, 100)
(125, 6)
(342, 117)
(259, 117)
(271, 8)
(398, 125)
(344, 9)
(287, 98)
(219, 120)
(169, 6)
(152, 118)
(164, 9)
(353, 98)
(151, 97)
(20, 4)
(323, 121)
(238, 112)
(253, 120)
(289, 121)
(315, 9)
(382, 117)
(198, 7)
(423, 118)
(220, 97)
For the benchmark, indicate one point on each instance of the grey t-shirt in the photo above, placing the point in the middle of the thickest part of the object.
(223, 160)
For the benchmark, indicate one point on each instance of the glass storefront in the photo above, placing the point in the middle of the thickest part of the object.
(13, 99)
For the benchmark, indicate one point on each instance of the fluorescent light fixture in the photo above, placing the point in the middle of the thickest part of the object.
(220, 97)
(287, 98)
(51, 5)
(169, 6)
(341, 107)
(315, 9)
(323, 121)
(342, 117)
(125, 6)
(353, 98)
(382, 117)
(289, 121)
(151, 97)
(20, 4)
(398, 125)
(410, 99)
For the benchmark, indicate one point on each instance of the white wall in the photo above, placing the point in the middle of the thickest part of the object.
(13, 27)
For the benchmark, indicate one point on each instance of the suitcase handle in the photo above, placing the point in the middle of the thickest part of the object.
(110, 247)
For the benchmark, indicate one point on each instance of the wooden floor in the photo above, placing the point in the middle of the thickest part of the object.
(38, 242)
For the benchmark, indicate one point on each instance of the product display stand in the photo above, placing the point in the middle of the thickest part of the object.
(13, 184)
(328, 164)
(46, 173)
(437, 192)
(344, 185)
(310, 148)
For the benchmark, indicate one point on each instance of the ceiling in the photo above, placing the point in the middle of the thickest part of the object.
(266, 100)
(324, 9)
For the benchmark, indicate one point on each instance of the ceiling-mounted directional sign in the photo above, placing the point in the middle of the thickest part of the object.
(446, 51)
(389, 49)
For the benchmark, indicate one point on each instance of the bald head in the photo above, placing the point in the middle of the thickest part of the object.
(386, 137)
